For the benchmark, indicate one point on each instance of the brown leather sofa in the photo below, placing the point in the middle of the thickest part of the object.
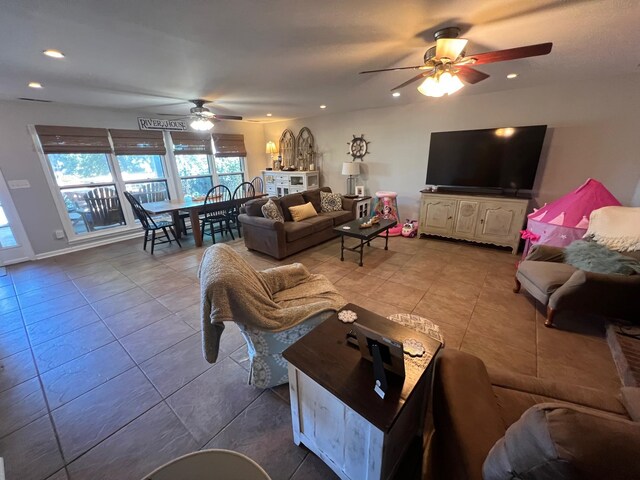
(566, 431)
(281, 239)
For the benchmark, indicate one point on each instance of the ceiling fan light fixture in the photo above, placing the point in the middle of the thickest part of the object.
(430, 87)
(201, 124)
(453, 84)
(441, 83)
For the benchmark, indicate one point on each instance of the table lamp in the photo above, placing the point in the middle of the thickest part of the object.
(351, 169)
(271, 149)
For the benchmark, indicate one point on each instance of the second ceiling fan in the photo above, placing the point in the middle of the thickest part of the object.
(446, 65)
(201, 117)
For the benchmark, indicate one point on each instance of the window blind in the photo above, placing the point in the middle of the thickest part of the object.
(56, 139)
(229, 145)
(191, 143)
(137, 142)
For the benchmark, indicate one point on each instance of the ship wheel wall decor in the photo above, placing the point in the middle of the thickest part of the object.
(288, 148)
(358, 147)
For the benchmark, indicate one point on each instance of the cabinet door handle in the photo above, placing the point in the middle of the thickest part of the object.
(482, 220)
(449, 218)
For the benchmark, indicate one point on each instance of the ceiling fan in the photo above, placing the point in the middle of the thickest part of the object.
(446, 64)
(201, 117)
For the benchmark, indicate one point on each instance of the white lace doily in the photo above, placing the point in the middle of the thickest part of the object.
(347, 316)
(413, 347)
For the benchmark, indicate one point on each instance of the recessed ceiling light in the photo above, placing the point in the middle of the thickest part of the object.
(512, 75)
(269, 114)
(35, 85)
(53, 53)
(395, 94)
(323, 106)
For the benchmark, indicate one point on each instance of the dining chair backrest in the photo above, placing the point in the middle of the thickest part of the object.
(217, 202)
(244, 190)
(140, 213)
(258, 184)
(104, 206)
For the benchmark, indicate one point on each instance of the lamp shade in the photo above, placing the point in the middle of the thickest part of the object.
(350, 168)
(271, 147)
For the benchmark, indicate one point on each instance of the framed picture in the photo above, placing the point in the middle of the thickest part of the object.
(360, 190)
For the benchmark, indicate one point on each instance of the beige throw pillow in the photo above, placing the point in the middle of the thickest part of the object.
(300, 212)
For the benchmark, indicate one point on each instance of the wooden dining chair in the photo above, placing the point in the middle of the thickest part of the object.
(151, 225)
(104, 207)
(258, 184)
(245, 191)
(217, 209)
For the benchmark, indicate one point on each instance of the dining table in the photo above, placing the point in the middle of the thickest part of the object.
(194, 208)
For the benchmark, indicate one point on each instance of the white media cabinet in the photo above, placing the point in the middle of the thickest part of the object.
(477, 218)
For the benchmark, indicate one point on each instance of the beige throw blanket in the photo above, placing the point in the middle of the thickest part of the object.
(274, 300)
(617, 228)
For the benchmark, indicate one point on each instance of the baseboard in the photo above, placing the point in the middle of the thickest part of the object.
(85, 246)
(17, 260)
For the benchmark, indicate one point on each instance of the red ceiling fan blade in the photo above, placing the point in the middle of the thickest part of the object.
(512, 53)
(227, 117)
(471, 75)
(414, 67)
(414, 79)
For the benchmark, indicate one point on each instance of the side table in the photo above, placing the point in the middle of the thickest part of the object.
(363, 207)
(334, 409)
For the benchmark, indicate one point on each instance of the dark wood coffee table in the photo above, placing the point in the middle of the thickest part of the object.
(365, 235)
(335, 411)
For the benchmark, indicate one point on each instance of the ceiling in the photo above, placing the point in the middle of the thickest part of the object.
(289, 56)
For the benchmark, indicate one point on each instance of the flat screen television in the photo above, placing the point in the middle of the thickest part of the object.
(503, 159)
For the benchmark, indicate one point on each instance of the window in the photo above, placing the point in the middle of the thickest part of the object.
(230, 155)
(140, 156)
(193, 160)
(195, 173)
(144, 177)
(82, 167)
(230, 171)
(88, 189)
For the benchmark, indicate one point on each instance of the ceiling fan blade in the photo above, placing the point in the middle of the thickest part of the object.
(512, 53)
(471, 75)
(450, 48)
(227, 117)
(414, 67)
(414, 79)
(174, 115)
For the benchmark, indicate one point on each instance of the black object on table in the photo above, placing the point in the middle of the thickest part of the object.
(365, 235)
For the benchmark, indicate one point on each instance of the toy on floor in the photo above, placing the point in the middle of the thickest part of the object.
(410, 228)
(386, 206)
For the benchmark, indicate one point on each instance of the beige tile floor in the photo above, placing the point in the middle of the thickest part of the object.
(102, 376)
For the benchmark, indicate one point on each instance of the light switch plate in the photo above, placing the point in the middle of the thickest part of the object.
(15, 184)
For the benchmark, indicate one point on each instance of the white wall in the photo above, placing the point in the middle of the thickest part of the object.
(19, 160)
(593, 132)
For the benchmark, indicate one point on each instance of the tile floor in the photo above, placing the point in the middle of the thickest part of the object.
(102, 376)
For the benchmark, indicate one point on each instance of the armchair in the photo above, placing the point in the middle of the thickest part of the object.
(560, 286)
(273, 308)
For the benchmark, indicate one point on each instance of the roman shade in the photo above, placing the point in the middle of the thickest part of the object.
(191, 143)
(229, 145)
(57, 139)
(137, 142)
